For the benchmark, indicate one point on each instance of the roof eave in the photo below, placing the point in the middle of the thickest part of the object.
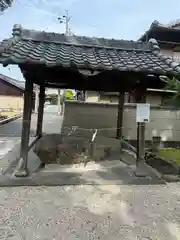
(157, 27)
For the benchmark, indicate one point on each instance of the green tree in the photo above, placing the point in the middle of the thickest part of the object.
(68, 94)
(172, 84)
(4, 4)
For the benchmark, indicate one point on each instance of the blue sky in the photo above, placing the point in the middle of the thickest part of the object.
(121, 19)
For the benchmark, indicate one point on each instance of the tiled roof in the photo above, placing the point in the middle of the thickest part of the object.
(14, 82)
(173, 26)
(51, 49)
(5, 4)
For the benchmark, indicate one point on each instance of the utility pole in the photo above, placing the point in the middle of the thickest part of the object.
(65, 19)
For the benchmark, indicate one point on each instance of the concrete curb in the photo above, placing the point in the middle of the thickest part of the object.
(143, 169)
(10, 119)
(153, 171)
(160, 176)
(166, 177)
(174, 164)
(171, 178)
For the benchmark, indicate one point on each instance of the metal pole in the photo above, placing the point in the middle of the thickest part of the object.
(141, 131)
(65, 19)
(138, 142)
(67, 23)
(67, 33)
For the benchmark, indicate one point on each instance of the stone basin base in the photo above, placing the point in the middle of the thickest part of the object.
(55, 148)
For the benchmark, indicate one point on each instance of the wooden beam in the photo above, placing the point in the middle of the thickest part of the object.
(120, 116)
(40, 111)
(22, 170)
(87, 79)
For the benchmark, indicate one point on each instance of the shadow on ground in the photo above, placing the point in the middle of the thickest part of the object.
(105, 173)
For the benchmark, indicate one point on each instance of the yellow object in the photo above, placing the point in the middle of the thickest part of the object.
(7, 113)
(68, 94)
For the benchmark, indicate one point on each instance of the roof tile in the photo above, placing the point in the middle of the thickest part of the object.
(54, 49)
(14, 82)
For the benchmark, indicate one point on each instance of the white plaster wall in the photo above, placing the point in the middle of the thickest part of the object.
(103, 116)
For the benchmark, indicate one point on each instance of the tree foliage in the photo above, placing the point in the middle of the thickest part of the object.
(5, 4)
(173, 84)
(68, 94)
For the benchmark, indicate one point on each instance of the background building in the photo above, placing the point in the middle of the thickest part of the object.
(11, 93)
(168, 38)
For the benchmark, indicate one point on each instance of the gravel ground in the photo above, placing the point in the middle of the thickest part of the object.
(91, 212)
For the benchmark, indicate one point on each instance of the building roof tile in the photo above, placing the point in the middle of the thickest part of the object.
(172, 28)
(14, 82)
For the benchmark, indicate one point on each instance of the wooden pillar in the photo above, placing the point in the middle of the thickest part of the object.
(40, 111)
(22, 170)
(120, 116)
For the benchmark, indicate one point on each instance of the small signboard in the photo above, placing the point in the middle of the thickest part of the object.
(142, 112)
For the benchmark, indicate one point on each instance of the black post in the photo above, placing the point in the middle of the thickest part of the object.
(120, 116)
(138, 142)
(22, 171)
(141, 132)
(40, 111)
